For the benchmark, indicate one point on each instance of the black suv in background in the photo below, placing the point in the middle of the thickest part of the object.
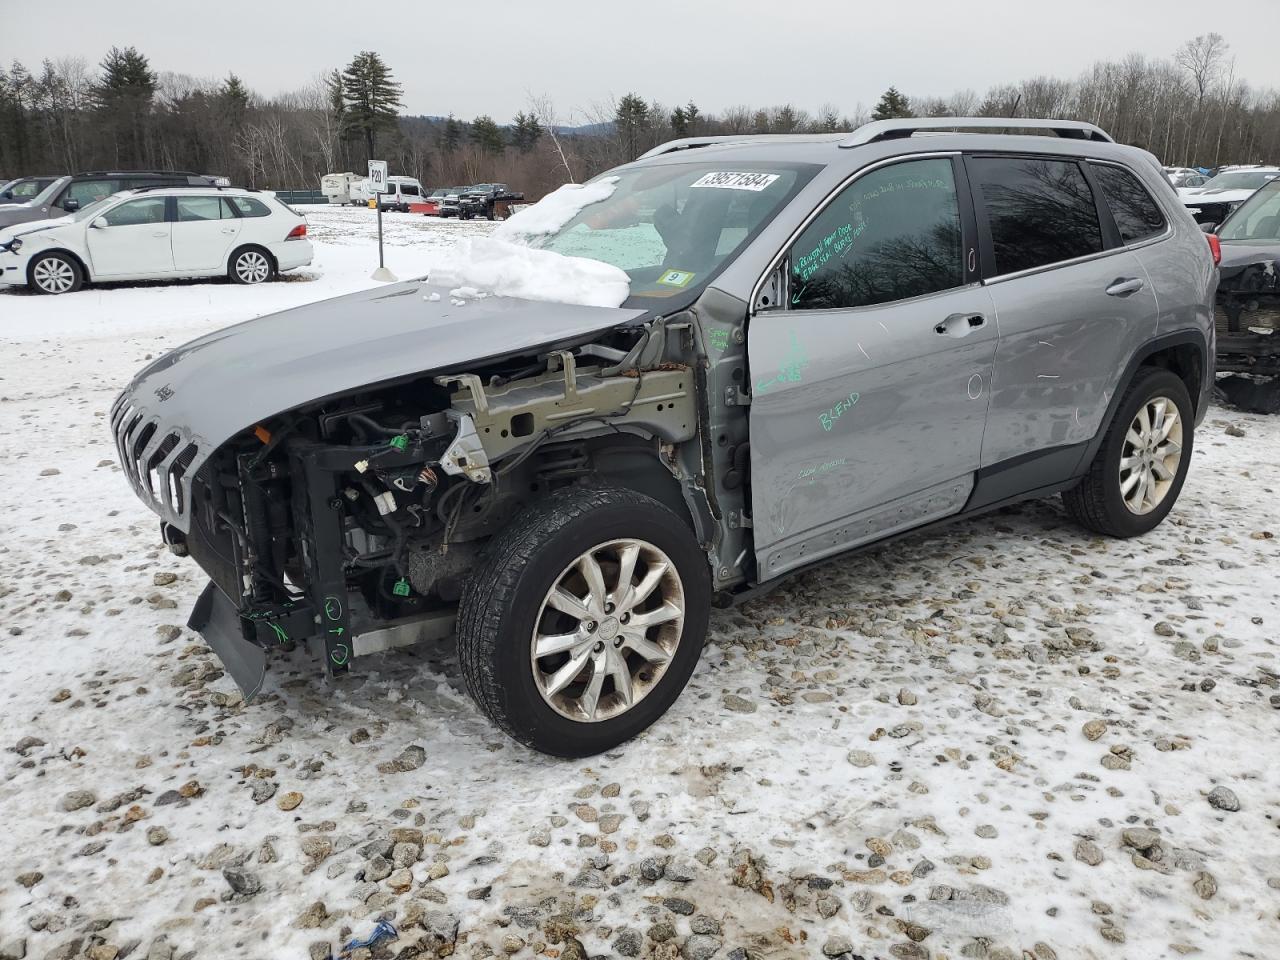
(69, 193)
(479, 200)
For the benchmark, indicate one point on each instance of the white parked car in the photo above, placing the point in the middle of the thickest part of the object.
(158, 233)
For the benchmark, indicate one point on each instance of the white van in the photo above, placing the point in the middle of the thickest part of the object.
(401, 191)
(340, 189)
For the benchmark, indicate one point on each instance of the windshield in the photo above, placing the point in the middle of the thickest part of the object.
(93, 209)
(28, 188)
(1240, 180)
(671, 227)
(1258, 218)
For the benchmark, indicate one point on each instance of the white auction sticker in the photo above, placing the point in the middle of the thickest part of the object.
(736, 181)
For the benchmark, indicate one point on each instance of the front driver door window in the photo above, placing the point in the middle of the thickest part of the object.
(133, 240)
(869, 388)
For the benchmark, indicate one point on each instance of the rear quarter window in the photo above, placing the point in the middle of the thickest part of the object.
(249, 207)
(1040, 211)
(1137, 215)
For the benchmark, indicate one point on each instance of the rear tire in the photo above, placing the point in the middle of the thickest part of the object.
(1138, 472)
(55, 273)
(251, 265)
(507, 614)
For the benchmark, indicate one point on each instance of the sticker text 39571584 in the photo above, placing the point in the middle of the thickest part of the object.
(726, 180)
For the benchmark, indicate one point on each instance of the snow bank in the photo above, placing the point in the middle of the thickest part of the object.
(511, 270)
(555, 209)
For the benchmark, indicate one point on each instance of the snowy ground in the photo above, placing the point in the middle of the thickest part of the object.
(998, 741)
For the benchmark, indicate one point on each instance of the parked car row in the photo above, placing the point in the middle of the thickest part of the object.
(43, 198)
(1214, 200)
(489, 200)
(156, 232)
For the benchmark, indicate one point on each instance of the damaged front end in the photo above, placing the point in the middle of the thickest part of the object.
(350, 523)
(1248, 327)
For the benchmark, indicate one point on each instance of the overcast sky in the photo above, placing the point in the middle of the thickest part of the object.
(487, 57)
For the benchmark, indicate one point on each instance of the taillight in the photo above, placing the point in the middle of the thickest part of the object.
(1215, 247)
(298, 232)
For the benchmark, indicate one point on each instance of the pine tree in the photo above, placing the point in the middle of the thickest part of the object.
(370, 99)
(892, 104)
(525, 131)
(679, 122)
(631, 121)
(233, 93)
(451, 136)
(486, 135)
(124, 96)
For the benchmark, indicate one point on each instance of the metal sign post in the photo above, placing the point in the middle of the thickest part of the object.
(378, 186)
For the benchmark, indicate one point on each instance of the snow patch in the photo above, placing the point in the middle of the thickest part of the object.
(555, 209)
(511, 270)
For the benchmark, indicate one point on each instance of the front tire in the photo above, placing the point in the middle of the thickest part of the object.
(1138, 472)
(55, 273)
(251, 265)
(584, 620)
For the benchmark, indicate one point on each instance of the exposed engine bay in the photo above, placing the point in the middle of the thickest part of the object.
(351, 523)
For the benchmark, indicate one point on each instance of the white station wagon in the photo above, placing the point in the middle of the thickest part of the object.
(158, 233)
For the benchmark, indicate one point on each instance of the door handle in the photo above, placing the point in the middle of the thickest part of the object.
(1120, 287)
(159, 234)
(960, 325)
(227, 230)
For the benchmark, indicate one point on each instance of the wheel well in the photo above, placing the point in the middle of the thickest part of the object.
(1186, 360)
(84, 270)
(632, 462)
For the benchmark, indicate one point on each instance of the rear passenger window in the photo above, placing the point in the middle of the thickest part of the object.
(1039, 211)
(1135, 213)
(250, 207)
(200, 208)
(890, 235)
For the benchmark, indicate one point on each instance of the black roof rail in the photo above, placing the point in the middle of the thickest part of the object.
(141, 173)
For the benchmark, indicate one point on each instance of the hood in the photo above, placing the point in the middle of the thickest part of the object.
(210, 389)
(33, 226)
(1216, 195)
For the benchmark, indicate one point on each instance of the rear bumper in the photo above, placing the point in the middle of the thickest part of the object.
(291, 254)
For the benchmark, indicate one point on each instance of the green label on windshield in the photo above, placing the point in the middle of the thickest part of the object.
(676, 278)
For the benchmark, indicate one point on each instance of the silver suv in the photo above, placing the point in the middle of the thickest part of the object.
(828, 341)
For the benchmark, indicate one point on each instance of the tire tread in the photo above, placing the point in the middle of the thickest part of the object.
(1086, 502)
(493, 583)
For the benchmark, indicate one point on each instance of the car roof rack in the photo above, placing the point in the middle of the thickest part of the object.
(878, 130)
(692, 143)
(140, 173)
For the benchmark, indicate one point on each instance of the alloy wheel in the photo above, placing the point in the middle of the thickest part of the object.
(607, 630)
(53, 275)
(252, 267)
(1151, 455)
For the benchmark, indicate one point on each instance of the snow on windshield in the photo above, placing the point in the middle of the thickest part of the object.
(503, 265)
(489, 265)
(555, 209)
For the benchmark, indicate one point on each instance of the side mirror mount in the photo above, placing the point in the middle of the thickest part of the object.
(99, 223)
(1208, 227)
(71, 205)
